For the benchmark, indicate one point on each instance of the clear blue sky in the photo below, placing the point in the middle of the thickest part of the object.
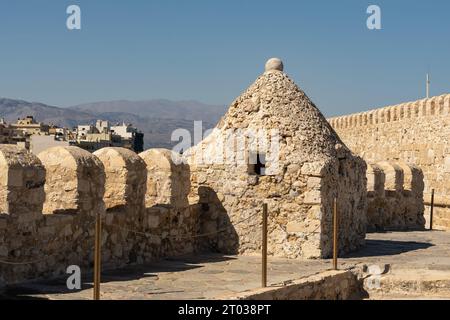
(212, 50)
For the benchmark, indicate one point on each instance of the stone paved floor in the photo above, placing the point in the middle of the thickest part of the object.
(210, 276)
(412, 250)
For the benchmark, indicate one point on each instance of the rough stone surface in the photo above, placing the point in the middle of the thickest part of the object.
(126, 177)
(21, 183)
(414, 132)
(314, 167)
(395, 197)
(41, 239)
(168, 183)
(329, 285)
(75, 180)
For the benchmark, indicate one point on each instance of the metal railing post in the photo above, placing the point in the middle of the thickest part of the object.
(432, 209)
(264, 247)
(97, 256)
(335, 235)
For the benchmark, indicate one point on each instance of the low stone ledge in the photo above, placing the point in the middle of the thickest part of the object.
(328, 285)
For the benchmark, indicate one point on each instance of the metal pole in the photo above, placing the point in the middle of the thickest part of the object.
(97, 256)
(264, 247)
(335, 235)
(432, 209)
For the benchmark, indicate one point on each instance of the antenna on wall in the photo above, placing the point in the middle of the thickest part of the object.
(428, 85)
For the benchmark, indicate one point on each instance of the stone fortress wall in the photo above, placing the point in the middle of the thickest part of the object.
(415, 132)
(49, 204)
(154, 206)
(395, 197)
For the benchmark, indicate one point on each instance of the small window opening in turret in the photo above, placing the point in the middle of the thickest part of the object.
(257, 164)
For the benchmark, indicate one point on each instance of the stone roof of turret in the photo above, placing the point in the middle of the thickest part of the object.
(274, 101)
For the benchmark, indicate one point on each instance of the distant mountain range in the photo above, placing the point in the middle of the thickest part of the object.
(156, 118)
(161, 109)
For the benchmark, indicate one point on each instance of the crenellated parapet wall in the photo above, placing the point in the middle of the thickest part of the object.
(415, 132)
(49, 203)
(395, 197)
(435, 106)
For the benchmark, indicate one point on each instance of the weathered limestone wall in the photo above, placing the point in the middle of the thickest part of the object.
(395, 197)
(415, 132)
(328, 285)
(346, 180)
(314, 168)
(49, 204)
(167, 205)
(168, 183)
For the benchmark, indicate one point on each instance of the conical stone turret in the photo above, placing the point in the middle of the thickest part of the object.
(291, 159)
(274, 101)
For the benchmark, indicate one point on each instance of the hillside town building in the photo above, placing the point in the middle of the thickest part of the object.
(36, 136)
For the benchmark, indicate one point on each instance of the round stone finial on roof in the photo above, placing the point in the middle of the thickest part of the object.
(274, 64)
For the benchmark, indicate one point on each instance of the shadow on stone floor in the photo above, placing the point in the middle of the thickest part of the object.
(391, 230)
(374, 248)
(128, 273)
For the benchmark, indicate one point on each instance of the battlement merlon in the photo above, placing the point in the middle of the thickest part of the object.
(22, 178)
(126, 177)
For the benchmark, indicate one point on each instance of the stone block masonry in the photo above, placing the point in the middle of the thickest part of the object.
(314, 168)
(49, 203)
(395, 197)
(415, 132)
(328, 285)
(156, 205)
